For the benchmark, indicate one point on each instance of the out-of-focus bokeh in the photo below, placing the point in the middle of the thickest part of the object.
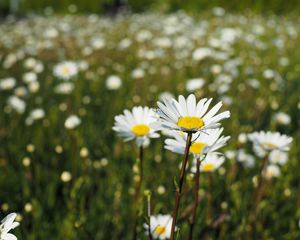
(67, 68)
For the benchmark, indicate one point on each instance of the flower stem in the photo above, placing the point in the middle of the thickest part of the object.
(179, 187)
(209, 199)
(196, 198)
(136, 200)
(258, 192)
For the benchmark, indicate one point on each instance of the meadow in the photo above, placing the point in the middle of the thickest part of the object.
(68, 175)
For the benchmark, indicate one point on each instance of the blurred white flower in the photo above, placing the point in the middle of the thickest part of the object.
(29, 77)
(64, 88)
(138, 73)
(242, 138)
(267, 141)
(201, 53)
(7, 83)
(30, 63)
(72, 122)
(51, 33)
(65, 70)
(211, 162)
(245, 159)
(278, 157)
(282, 118)
(17, 104)
(66, 176)
(37, 114)
(194, 84)
(7, 224)
(113, 82)
(271, 171)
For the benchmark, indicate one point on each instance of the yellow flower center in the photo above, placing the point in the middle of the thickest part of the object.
(66, 70)
(159, 230)
(208, 167)
(190, 122)
(197, 147)
(268, 145)
(140, 130)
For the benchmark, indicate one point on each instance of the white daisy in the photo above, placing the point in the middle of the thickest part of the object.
(211, 162)
(278, 157)
(6, 225)
(271, 171)
(160, 226)
(136, 125)
(202, 143)
(187, 115)
(72, 122)
(264, 142)
(65, 70)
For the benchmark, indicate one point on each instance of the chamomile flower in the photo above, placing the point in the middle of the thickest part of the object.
(211, 162)
(136, 125)
(202, 143)
(65, 70)
(264, 142)
(160, 226)
(7, 224)
(278, 157)
(188, 116)
(271, 171)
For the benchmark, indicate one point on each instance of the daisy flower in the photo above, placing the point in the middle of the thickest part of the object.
(271, 171)
(65, 70)
(188, 116)
(264, 142)
(136, 125)
(202, 143)
(6, 225)
(211, 162)
(160, 226)
(278, 157)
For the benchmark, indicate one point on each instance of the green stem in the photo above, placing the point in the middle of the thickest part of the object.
(181, 181)
(196, 198)
(136, 201)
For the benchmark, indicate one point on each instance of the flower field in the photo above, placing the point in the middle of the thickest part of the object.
(65, 168)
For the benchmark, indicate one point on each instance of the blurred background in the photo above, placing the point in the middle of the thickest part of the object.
(67, 68)
(109, 6)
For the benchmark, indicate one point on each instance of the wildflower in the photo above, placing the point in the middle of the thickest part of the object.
(271, 171)
(113, 82)
(202, 143)
(136, 125)
(194, 84)
(17, 104)
(187, 116)
(160, 226)
(72, 122)
(6, 225)
(7, 83)
(211, 162)
(282, 118)
(66, 176)
(264, 142)
(65, 70)
(278, 157)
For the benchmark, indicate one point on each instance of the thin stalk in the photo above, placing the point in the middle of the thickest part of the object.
(196, 198)
(209, 199)
(181, 181)
(258, 192)
(137, 196)
(149, 215)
